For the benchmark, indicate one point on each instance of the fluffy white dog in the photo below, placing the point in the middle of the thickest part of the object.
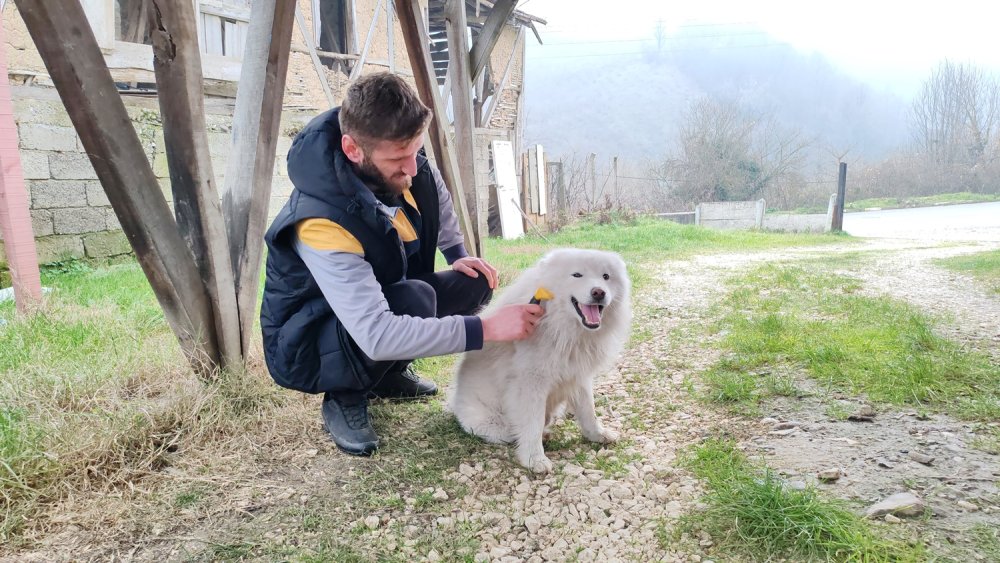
(511, 391)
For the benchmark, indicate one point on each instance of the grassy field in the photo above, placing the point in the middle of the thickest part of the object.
(780, 318)
(924, 201)
(984, 266)
(95, 395)
(750, 512)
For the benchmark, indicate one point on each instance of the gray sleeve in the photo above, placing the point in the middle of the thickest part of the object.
(349, 285)
(450, 239)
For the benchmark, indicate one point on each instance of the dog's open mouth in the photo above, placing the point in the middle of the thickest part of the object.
(589, 314)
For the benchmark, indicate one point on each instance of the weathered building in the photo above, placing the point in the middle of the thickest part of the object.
(333, 42)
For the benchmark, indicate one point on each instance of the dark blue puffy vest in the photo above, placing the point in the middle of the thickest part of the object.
(305, 346)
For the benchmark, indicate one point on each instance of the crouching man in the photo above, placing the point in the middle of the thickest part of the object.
(351, 296)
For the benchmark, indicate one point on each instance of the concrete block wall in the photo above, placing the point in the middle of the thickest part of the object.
(71, 215)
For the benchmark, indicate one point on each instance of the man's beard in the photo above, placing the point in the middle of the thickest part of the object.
(370, 173)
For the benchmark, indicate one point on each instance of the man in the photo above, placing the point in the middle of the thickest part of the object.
(351, 296)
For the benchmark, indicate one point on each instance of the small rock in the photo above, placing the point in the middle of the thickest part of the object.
(863, 414)
(532, 524)
(967, 506)
(572, 469)
(882, 462)
(892, 519)
(440, 494)
(467, 470)
(769, 421)
(433, 555)
(829, 474)
(784, 432)
(372, 522)
(920, 457)
(900, 504)
(787, 424)
(796, 485)
(311, 452)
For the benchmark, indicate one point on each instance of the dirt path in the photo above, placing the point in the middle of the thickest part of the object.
(614, 504)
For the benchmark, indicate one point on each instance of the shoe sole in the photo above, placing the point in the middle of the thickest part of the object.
(403, 398)
(355, 453)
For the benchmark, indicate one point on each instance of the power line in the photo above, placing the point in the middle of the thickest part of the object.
(659, 51)
(685, 37)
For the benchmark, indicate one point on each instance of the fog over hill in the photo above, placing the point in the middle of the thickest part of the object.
(580, 98)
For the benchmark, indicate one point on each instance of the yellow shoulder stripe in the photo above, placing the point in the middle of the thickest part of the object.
(323, 234)
(409, 199)
(403, 227)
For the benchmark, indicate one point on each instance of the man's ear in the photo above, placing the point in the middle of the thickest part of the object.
(352, 149)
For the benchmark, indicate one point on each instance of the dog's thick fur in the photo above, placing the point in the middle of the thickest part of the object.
(511, 391)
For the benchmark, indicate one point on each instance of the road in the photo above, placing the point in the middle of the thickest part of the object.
(968, 222)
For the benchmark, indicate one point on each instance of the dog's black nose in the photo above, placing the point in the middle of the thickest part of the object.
(597, 293)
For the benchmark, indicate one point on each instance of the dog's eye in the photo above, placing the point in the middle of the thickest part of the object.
(577, 275)
(607, 277)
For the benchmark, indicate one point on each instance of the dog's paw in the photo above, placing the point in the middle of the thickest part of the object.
(536, 464)
(604, 436)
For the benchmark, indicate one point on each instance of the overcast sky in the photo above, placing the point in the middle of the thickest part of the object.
(889, 44)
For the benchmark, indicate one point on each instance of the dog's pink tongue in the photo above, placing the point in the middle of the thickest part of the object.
(592, 313)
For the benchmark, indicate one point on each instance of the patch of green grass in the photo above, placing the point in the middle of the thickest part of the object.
(987, 540)
(988, 440)
(984, 266)
(838, 411)
(922, 201)
(751, 513)
(640, 241)
(781, 316)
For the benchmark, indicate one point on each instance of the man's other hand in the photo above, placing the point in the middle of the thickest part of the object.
(513, 322)
(472, 267)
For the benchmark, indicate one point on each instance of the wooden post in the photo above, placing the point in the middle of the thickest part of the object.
(256, 121)
(838, 212)
(74, 61)
(15, 219)
(411, 20)
(489, 36)
(177, 62)
(311, 46)
(559, 181)
(359, 66)
(461, 95)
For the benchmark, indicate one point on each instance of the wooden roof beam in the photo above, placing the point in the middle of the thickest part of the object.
(489, 36)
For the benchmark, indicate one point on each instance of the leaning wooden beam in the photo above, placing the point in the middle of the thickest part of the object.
(67, 45)
(324, 82)
(15, 218)
(177, 62)
(359, 66)
(411, 21)
(489, 35)
(256, 119)
(461, 96)
(495, 100)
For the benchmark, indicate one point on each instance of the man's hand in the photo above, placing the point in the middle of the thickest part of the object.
(472, 267)
(513, 322)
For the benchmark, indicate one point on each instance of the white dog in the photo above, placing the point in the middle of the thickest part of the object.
(511, 391)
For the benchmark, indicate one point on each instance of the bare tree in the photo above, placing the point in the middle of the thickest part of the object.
(728, 154)
(956, 116)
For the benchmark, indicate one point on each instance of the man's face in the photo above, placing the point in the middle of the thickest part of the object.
(391, 164)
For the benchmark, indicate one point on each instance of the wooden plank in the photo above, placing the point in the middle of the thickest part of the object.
(318, 66)
(256, 119)
(461, 104)
(177, 61)
(75, 63)
(489, 35)
(411, 21)
(15, 218)
(213, 35)
(532, 182)
(495, 100)
(390, 21)
(356, 71)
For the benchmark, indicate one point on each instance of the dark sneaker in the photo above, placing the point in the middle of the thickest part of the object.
(403, 385)
(346, 419)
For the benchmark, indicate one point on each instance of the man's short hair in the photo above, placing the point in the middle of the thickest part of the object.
(382, 107)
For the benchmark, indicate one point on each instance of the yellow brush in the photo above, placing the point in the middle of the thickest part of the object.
(541, 294)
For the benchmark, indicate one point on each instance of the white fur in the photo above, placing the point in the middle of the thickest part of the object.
(511, 391)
